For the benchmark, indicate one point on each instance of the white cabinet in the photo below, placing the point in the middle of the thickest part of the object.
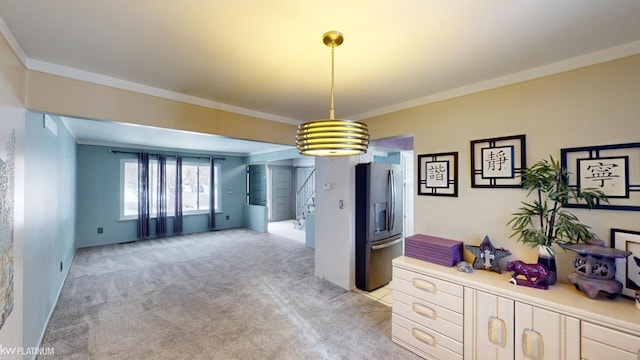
(544, 334)
(440, 313)
(603, 343)
(427, 315)
(501, 328)
(489, 333)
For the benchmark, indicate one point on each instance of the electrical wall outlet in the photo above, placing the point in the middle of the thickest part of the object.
(227, 217)
(100, 230)
(60, 265)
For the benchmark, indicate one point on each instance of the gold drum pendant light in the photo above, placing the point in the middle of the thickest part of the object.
(332, 137)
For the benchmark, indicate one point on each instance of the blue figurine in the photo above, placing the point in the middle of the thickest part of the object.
(464, 266)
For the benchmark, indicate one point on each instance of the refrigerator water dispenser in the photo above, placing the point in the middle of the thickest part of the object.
(380, 209)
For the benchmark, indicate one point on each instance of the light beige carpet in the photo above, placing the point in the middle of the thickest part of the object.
(232, 294)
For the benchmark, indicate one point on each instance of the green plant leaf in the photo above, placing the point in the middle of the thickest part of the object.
(543, 220)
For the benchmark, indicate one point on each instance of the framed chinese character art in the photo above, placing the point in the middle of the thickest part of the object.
(627, 269)
(497, 162)
(438, 174)
(608, 174)
(613, 169)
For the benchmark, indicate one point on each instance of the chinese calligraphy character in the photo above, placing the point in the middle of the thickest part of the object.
(495, 160)
(601, 172)
(437, 172)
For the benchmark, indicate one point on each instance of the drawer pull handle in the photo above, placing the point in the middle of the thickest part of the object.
(424, 311)
(423, 337)
(532, 345)
(497, 332)
(424, 285)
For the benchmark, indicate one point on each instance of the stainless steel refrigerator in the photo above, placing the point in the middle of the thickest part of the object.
(378, 222)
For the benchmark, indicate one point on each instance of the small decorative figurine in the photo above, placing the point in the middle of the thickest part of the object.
(595, 268)
(534, 274)
(464, 266)
(487, 255)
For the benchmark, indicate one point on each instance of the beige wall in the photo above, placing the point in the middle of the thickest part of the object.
(64, 96)
(597, 105)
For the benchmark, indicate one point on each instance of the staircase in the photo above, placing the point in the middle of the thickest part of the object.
(305, 200)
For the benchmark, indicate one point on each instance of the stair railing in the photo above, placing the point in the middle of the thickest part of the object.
(305, 194)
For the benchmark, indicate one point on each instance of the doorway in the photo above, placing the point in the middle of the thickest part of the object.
(282, 193)
(257, 185)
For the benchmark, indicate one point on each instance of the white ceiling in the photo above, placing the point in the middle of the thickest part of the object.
(266, 58)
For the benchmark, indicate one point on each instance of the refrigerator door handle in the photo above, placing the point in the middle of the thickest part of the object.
(392, 192)
(393, 176)
(389, 206)
(391, 243)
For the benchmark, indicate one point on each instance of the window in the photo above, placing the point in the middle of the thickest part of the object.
(129, 188)
(195, 187)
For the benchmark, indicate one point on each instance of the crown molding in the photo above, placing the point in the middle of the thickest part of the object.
(6, 33)
(617, 52)
(72, 73)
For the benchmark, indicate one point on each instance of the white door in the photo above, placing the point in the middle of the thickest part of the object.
(544, 334)
(282, 193)
(488, 326)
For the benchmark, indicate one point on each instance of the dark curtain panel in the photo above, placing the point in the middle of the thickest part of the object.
(177, 229)
(161, 204)
(212, 196)
(143, 195)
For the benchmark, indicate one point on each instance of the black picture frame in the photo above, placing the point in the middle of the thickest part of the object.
(614, 169)
(438, 174)
(497, 162)
(627, 269)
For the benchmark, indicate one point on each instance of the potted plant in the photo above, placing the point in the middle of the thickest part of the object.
(544, 221)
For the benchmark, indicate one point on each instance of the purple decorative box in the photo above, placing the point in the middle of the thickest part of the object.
(433, 249)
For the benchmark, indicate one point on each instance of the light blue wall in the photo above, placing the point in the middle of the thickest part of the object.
(256, 218)
(391, 158)
(99, 197)
(273, 156)
(50, 197)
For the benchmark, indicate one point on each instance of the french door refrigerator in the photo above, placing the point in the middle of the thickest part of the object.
(378, 222)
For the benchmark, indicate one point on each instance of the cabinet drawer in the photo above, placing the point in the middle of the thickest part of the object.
(425, 340)
(430, 290)
(432, 316)
(603, 343)
(430, 283)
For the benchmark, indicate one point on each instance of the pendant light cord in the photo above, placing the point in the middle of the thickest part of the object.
(332, 111)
